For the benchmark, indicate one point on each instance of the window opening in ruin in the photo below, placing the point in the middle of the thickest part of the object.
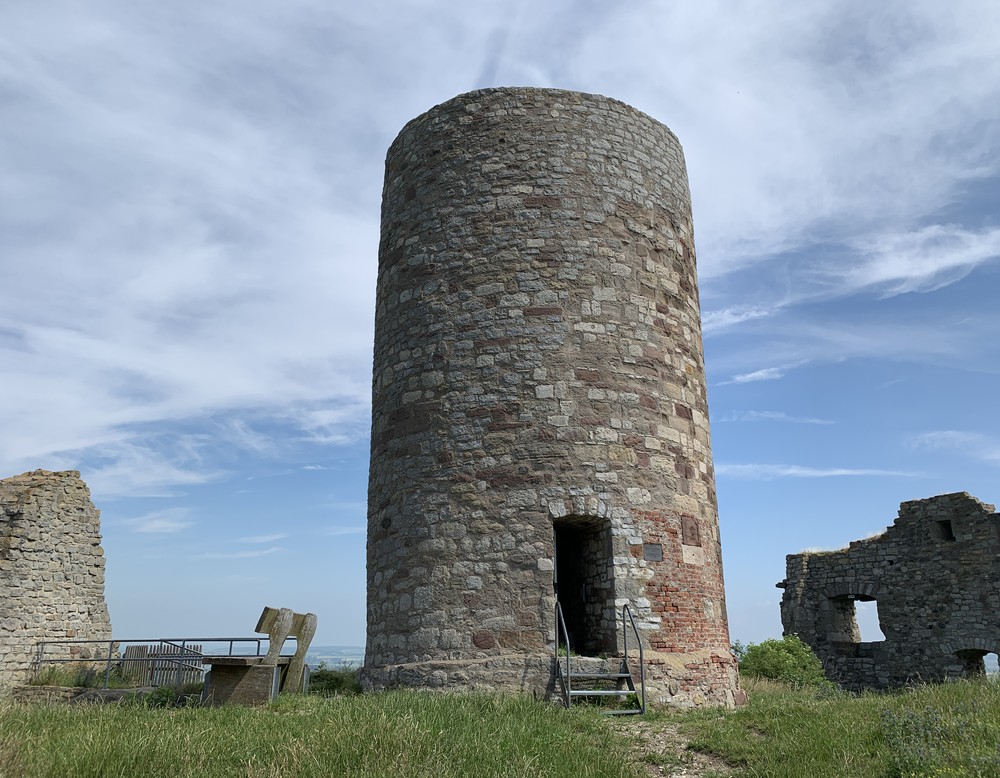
(869, 624)
(977, 663)
(584, 583)
(853, 619)
(945, 530)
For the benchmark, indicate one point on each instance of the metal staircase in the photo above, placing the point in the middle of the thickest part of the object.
(595, 678)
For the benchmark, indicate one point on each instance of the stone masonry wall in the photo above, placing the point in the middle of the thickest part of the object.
(51, 570)
(935, 576)
(538, 364)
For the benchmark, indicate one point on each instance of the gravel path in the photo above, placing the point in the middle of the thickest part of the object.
(661, 750)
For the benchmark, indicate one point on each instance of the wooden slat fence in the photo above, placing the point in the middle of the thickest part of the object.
(162, 664)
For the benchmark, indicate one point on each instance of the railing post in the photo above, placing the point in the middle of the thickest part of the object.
(107, 665)
(563, 632)
(629, 620)
(40, 657)
(625, 633)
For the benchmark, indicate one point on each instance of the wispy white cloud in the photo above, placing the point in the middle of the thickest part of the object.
(326, 424)
(262, 538)
(241, 554)
(764, 374)
(821, 549)
(714, 321)
(127, 469)
(768, 472)
(958, 341)
(356, 530)
(974, 445)
(240, 433)
(952, 340)
(922, 260)
(771, 416)
(168, 521)
(338, 506)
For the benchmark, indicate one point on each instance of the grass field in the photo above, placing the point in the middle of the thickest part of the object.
(935, 730)
(946, 730)
(393, 734)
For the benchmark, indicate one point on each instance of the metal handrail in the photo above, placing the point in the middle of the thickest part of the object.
(561, 628)
(178, 660)
(179, 642)
(627, 611)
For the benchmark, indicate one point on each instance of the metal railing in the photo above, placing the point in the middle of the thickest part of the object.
(181, 655)
(627, 612)
(562, 635)
(564, 670)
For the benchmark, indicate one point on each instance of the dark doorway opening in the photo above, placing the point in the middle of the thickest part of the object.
(584, 583)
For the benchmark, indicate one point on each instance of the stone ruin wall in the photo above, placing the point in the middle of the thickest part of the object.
(51, 570)
(935, 576)
(538, 368)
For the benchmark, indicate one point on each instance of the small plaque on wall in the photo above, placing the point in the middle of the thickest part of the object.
(652, 552)
(689, 531)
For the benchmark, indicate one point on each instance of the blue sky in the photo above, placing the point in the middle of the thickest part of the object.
(188, 246)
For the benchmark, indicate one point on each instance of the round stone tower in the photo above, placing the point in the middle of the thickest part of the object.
(539, 417)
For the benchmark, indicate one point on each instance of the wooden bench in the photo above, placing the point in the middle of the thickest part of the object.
(249, 680)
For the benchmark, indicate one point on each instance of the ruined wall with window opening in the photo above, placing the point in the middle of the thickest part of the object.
(935, 576)
(51, 571)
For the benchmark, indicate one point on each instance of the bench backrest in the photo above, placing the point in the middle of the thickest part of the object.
(269, 614)
(282, 623)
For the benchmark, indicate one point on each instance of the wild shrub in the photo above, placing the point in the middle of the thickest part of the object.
(78, 674)
(788, 660)
(93, 675)
(332, 681)
(161, 697)
(945, 738)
